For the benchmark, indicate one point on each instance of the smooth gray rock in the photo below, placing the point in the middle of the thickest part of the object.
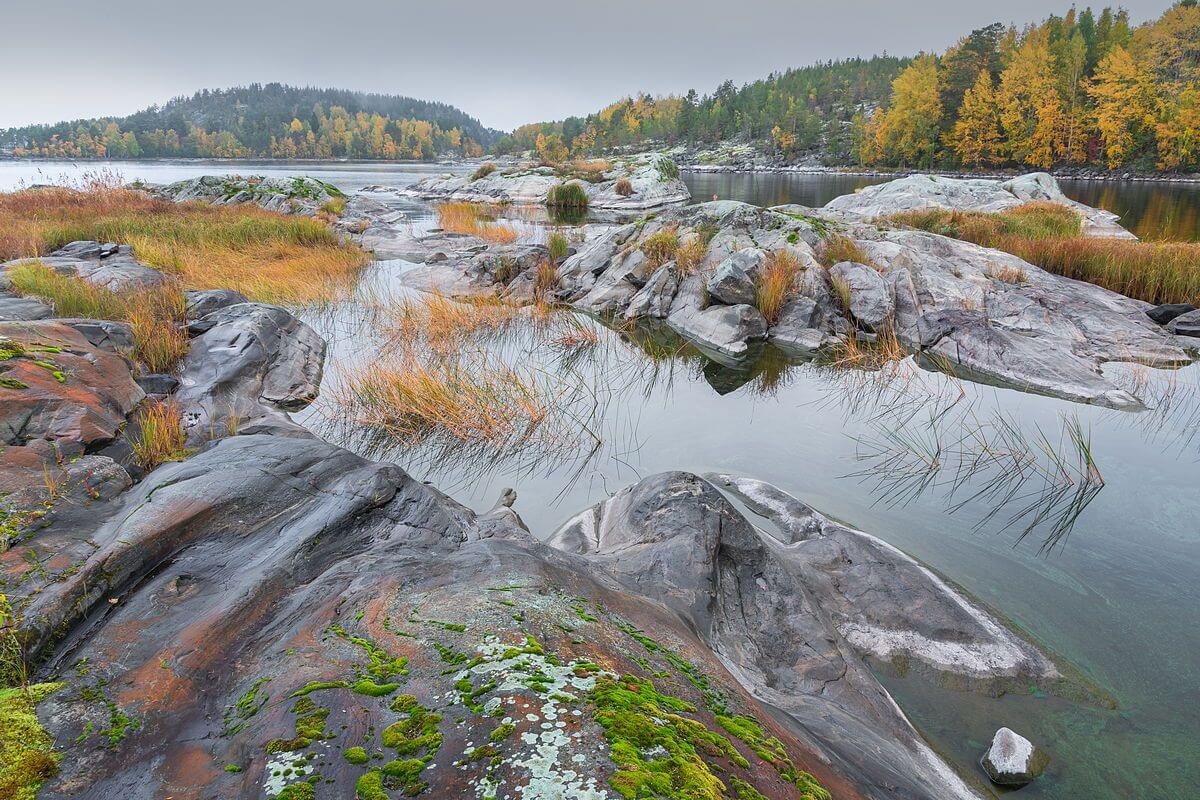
(105, 265)
(725, 332)
(295, 195)
(654, 299)
(793, 622)
(735, 280)
(248, 364)
(1168, 311)
(157, 383)
(796, 332)
(201, 302)
(115, 337)
(1012, 760)
(872, 302)
(917, 192)
(1187, 324)
(14, 309)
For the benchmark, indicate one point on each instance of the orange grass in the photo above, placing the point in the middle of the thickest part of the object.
(776, 283)
(476, 220)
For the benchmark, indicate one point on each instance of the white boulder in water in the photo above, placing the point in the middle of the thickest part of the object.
(1012, 760)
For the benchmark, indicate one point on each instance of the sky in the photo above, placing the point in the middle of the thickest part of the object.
(506, 63)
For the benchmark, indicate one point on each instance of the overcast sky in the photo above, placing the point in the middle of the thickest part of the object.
(506, 62)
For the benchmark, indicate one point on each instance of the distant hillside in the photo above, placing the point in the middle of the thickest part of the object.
(793, 113)
(1085, 89)
(265, 121)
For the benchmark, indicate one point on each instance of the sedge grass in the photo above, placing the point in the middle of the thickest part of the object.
(1049, 236)
(269, 257)
(154, 315)
(776, 283)
(158, 435)
(474, 219)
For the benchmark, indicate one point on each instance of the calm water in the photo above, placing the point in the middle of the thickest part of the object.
(1118, 598)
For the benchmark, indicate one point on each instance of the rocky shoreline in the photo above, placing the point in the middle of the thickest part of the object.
(276, 616)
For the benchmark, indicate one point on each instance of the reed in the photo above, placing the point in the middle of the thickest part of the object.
(558, 245)
(567, 195)
(158, 435)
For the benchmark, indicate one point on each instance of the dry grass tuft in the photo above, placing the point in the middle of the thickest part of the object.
(661, 246)
(690, 255)
(623, 187)
(155, 315)
(1013, 275)
(159, 436)
(855, 353)
(545, 280)
(776, 283)
(270, 257)
(839, 248)
(475, 219)
(483, 171)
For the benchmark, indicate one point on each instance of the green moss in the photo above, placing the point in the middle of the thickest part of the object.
(297, 791)
(744, 790)
(237, 716)
(27, 756)
(370, 786)
(381, 664)
(502, 732)
(232, 768)
(12, 383)
(10, 349)
(406, 773)
(417, 732)
(317, 686)
(372, 689)
(355, 755)
(772, 751)
(482, 752)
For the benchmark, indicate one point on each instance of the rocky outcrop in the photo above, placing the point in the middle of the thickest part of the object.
(297, 195)
(917, 192)
(984, 313)
(641, 182)
(793, 614)
(109, 266)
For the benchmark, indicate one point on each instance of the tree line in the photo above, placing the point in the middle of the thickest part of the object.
(271, 121)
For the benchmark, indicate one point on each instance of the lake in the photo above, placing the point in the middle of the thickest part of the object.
(1116, 594)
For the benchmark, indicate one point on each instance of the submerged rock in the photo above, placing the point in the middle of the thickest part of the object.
(1012, 760)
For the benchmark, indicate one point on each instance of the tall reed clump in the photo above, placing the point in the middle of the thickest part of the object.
(776, 283)
(567, 195)
(1048, 235)
(155, 315)
(444, 325)
(158, 435)
(483, 171)
(545, 280)
(475, 219)
(269, 257)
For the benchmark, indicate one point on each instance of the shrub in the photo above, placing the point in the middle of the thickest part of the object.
(776, 283)
(567, 195)
(558, 245)
(661, 246)
(623, 187)
(483, 171)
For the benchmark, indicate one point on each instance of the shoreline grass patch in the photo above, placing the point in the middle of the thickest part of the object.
(155, 315)
(475, 219)
(1049, 236)
(269, 257)
(567, 195)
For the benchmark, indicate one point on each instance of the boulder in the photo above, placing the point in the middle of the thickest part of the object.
(872, 299)
(108, 266)
(1186, 324)
(654, 299)
(1168, 311)
(724, 332)
(797, 332)
(22, 308)
(735, 279)
(248, 364)
(201, 302)
(291, 195)
(107, 334)
(1012, 760)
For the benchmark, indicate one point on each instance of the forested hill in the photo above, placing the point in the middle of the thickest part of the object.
(791, 112)
(271, 121)
(1082, 89)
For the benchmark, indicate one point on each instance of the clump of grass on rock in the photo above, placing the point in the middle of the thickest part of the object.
(776, 283)
(567, 195)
